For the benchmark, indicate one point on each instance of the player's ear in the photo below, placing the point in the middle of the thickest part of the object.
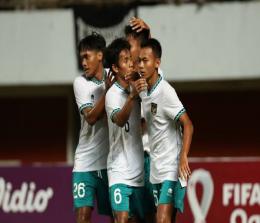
(157, 62)
(100, 56)
(115, 68)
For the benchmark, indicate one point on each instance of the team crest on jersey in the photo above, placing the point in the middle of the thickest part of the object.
(92, 98)
(153, 108)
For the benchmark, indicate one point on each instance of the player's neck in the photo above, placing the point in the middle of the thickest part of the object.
(99, 73)
(151, 81)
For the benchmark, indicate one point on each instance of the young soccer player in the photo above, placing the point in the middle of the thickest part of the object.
(170, 133)
(89, 173)
(125, 159)
(136, 33)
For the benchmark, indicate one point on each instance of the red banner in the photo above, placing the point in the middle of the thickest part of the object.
(223, 190)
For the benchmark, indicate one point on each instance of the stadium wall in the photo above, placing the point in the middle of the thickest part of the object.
(216, 41)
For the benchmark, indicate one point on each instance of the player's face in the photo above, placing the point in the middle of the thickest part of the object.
(148, 63)
(90, 60)
(125, 64)
(135, 49)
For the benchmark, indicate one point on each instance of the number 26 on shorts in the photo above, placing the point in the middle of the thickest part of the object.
(79, 190)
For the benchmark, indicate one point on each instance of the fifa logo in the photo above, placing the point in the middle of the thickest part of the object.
(200, 210)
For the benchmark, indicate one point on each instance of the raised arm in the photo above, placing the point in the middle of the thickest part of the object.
(92, 115)
(122, 116)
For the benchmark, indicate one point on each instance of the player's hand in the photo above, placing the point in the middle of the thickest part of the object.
(138, 24)
(140, 85)
(133, 93)
(184, 169)
(110, 79)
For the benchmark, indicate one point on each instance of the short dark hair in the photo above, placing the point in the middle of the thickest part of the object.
(94, 41)
(155, 45)
(142, 35)
(114, 49)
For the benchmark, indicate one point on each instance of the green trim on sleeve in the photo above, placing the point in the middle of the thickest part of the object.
(87, 105)
(179, 114)
(113, 113)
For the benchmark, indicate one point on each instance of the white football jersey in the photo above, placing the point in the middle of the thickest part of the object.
(162, 109)
(125, 162)
(93, 147)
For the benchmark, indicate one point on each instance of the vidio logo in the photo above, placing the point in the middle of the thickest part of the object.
(25, 199)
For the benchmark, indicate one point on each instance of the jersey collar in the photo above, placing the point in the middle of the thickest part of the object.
(95, 80)
(121, 87)
(149, 92)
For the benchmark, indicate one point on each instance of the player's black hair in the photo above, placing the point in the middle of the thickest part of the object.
(155, 45)
(142, 35)
(94, 41)
(113, 50)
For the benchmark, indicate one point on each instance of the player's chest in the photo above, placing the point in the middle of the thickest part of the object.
(96, 92)
(153, 109)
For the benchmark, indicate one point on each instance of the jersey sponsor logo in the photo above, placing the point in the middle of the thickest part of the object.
(153, 108)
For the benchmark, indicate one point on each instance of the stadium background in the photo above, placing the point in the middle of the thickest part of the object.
(210, 55)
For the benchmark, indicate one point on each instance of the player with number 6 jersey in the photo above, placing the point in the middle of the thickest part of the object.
(125, 159)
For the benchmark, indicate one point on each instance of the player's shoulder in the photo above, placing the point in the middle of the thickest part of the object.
(82, 85)
(111, 91)
(167, 92)
(166, 86)
(79, 80)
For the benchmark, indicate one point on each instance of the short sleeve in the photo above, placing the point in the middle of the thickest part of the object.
(113, 103)
(82, 92)
(172, 105)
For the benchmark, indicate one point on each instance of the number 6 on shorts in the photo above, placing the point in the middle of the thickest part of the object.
(117, 196)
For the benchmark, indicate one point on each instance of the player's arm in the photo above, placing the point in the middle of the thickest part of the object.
(138, 24)
(184, 169)
(122, 116)
(92, 115)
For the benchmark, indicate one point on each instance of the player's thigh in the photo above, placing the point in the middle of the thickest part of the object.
(102, 192)
(83, 214)
(119, 197)
(156, 193)
(167, 192)
(121, 216)
(165, 201)
(179, 195)
(164, 213)
(83, 189)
